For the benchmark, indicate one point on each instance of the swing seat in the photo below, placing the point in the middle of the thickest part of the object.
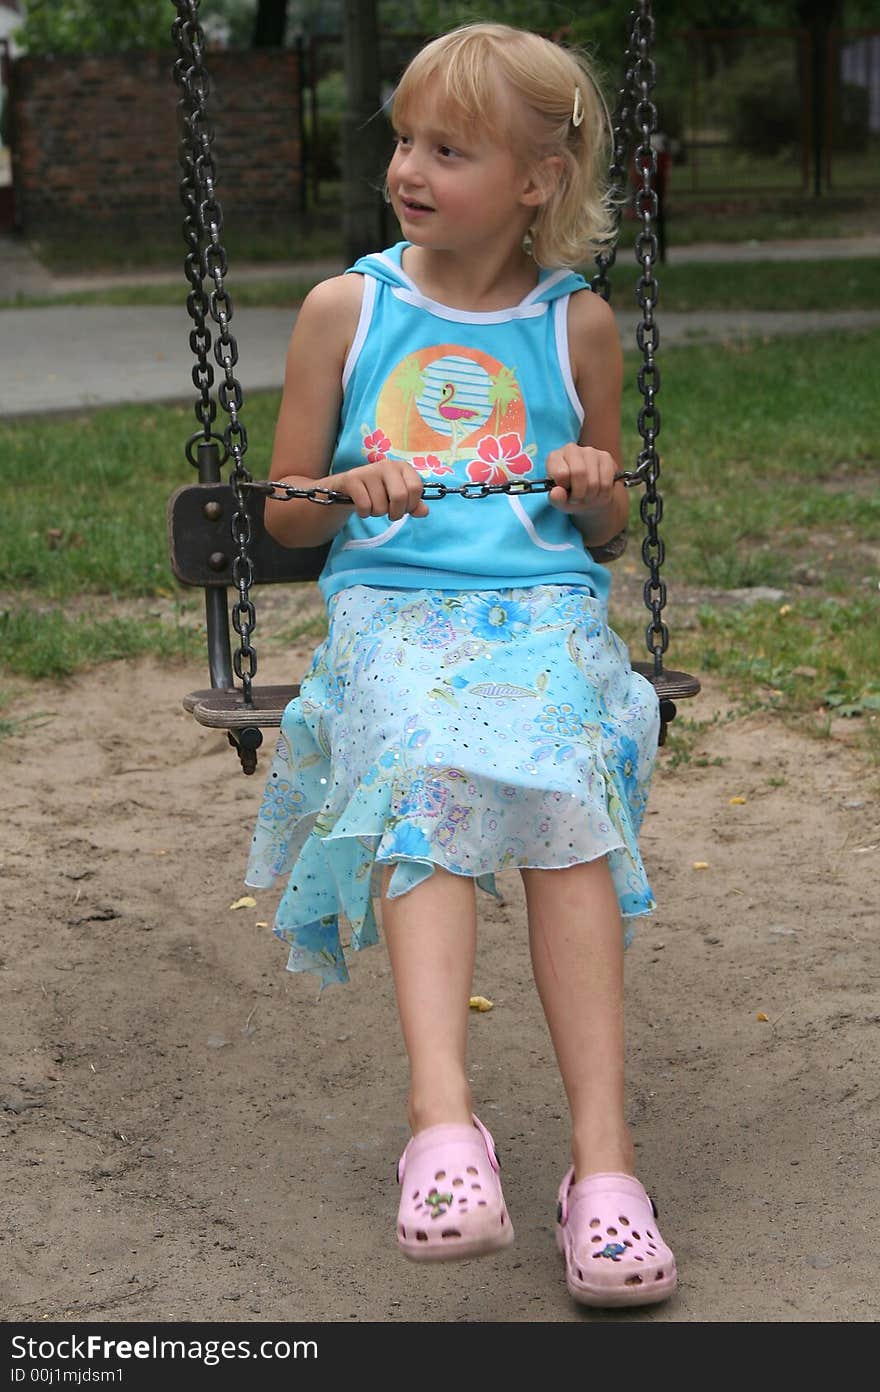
(224, 709)
(202, 552)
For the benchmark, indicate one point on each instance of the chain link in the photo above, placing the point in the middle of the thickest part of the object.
(635, 105)
(618, 182)
(207, 261)
(644, 77)
(431, 492)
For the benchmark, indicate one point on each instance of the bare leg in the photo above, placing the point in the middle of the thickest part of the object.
(576, 942)
(431, 934)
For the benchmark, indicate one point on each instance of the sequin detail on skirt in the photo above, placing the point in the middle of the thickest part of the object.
(475, 731)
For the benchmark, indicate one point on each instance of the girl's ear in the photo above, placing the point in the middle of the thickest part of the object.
(542, 181)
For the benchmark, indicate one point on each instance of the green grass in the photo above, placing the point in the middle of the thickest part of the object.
(699, 217)
(51, 644)
(274, 293)
(850, 283)
(90, 497)
(769, 474)
(312, 237)
(769, 477)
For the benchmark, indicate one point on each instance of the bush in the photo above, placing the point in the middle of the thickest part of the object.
(851, 118)
(325, 143)
(762, 97)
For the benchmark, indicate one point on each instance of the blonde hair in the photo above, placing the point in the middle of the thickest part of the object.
(480, 67)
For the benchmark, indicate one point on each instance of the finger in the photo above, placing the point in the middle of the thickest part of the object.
(398, 497)
(560, 497)
(357, 491)
(376, 503)
(415, 502)
(558, 468)
(606, 468)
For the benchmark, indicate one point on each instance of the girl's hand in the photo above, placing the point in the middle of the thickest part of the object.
(390, 488)
(584, 478)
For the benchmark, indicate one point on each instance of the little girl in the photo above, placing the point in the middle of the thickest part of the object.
(470, 710)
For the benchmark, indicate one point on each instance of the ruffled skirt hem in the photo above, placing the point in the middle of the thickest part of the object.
(424, 736)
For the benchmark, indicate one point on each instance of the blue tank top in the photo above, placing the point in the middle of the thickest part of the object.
(464, 397)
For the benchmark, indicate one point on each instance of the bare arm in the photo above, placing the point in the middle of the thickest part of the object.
(308, 417)
(308, 421)
(585, 470)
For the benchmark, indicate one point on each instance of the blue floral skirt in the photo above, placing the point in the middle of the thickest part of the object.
(475, 731)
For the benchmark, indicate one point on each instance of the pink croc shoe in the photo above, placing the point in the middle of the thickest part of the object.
(614, 1255)
(451, 1204)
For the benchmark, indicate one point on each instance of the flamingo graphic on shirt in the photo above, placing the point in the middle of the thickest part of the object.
(433, 411)
(448, 411)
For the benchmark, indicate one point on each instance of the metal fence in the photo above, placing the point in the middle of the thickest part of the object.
(758, 111)
(742, 111)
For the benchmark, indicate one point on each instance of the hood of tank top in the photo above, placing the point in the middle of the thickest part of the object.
(386, 267)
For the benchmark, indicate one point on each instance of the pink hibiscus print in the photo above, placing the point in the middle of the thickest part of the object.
(500, 457)
(430, 464)
(376, 446)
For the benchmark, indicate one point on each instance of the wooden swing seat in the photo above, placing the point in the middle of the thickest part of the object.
(202, 553)
(225, 709)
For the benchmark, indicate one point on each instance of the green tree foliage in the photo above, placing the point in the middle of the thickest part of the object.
(91, 26)
(94, 26)
(109, 26)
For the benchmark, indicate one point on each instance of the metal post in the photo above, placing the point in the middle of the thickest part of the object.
(216, 605)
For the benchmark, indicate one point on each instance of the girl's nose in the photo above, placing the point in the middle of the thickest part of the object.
(410, 162)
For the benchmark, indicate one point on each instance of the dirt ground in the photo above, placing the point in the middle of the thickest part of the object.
(188, 1132)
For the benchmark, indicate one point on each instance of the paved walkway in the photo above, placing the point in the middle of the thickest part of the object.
(64, 358)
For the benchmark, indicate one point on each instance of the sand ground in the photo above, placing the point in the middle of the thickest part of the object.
(188, 1132)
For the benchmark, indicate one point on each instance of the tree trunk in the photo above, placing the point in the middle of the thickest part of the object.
(819, 17)
(365, 134)
(270, 23)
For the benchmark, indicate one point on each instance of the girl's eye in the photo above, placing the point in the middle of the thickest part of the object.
(446, 151)
(402, 140)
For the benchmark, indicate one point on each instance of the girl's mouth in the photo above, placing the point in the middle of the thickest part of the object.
(412, 206)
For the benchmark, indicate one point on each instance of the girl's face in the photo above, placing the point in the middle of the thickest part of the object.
(451, 188)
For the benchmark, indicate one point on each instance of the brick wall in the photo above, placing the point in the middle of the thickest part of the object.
(94, 138)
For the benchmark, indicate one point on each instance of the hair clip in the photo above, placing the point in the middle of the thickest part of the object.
(577, 114)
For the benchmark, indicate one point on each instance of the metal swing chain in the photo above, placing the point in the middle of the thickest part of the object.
(431, 492)
(639, 77)
(617, 175)
(648, 333)
(207, 258)
(197, 301)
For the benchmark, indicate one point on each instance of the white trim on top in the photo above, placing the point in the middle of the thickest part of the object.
(529, 525)
(467, 316)
(560, 322)
(363, 327)
(544, 285)
(368, 543)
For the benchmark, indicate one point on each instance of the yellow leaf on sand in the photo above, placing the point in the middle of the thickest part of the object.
(765, 1019)
(737, 801)
(261, 923)
(246, 902)
(480, 1003)
(701, 865)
